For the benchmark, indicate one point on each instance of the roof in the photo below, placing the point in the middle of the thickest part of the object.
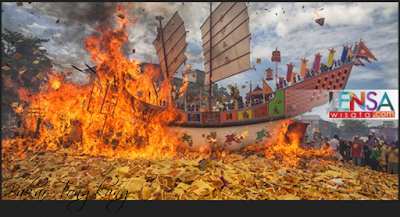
(257, 89)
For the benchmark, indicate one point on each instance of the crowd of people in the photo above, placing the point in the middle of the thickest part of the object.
(226, 106)
(378, 154)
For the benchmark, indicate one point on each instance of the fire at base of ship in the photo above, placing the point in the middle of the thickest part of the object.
(115, 117)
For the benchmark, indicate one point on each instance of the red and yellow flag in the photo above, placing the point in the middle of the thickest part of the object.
(364, 52)
(266, 88)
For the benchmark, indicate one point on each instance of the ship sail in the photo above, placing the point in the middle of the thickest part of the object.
(230, 41)
(170, 45)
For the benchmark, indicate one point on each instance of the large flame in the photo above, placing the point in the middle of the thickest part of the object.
(106, 118)
(286, 148)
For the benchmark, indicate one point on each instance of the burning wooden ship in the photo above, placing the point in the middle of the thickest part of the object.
(119, 116)
(226, 47)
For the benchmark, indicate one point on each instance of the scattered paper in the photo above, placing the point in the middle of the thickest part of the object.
(22, 70)
(121, 16)
(233, 177)
(17, 56)
(40, 76)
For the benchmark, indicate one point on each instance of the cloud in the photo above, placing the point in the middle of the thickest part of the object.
(35, 25)
(294, 32)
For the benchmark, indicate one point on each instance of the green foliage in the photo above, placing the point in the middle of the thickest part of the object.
(14, 42)
(219, 92)
(353, 127)
(193, 91)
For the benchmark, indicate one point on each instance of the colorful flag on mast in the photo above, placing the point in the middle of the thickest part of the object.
(363, 51)
(304, 62)
(289, 72)
(317, 62)
(344, 53)
(330, 57)
(266, 88)
(276, 56)
(269, 74)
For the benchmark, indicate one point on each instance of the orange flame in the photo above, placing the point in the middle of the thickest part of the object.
(286, 148)
(106, 119)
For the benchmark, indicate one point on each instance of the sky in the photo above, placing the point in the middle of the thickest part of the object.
(286, 25)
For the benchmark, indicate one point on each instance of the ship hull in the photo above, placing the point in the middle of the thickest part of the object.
(232, 138)
(262, 122)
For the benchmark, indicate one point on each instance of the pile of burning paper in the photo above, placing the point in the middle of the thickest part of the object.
(232, 177)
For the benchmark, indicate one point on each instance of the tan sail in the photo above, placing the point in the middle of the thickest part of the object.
(230, 41)
(174, 43)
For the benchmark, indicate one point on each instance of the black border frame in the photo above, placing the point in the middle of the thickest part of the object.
(204, 208)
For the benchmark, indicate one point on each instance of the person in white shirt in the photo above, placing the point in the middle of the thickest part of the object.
(334, 143)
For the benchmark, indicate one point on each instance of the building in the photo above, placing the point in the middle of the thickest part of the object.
(256, 94)
(386, 131)
(196, 76)
(327, 128)
(388, 124)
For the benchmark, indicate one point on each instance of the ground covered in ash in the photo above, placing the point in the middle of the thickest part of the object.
(59, 176)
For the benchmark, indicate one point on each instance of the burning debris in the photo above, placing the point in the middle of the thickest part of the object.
(85, 134)
(94, 118)
(232, 177)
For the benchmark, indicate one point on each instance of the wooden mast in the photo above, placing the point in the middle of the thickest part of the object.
(210, 91)
(276, 71)
(160, 18)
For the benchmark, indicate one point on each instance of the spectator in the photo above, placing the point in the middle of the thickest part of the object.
(375, 156)
(382, 159)
(312, 144)
(372, 139)
(334, 143)
(305, 142)
(367, 153)
(342, 148)
(317, 140)
(347, 149)
(393, 159)
(357, 150)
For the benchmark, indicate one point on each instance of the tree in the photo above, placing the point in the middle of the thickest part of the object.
(219, 93)
(15, 78)
(13, 43)
(350, 128)
(193, 91)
